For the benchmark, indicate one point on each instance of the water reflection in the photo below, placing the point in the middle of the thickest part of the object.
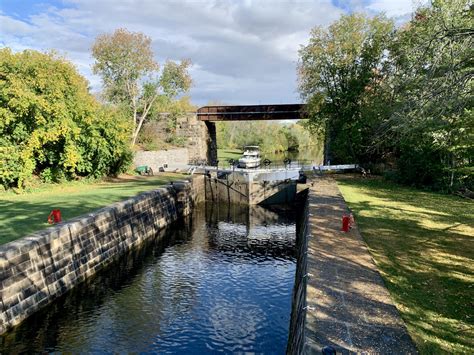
(310, 154)
(221, 281)
(251, 230)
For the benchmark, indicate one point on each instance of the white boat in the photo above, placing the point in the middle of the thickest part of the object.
(250, 158)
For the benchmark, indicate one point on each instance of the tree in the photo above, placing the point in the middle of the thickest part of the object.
(340, 72)
(403, 97)
(130, 74)
(51, 126)
(433, 120)
(272, 137)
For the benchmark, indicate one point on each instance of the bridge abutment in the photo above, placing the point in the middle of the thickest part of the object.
(211, 153)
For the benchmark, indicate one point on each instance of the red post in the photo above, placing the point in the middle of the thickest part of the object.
(345, 223)
(54, 216)
(57, 216)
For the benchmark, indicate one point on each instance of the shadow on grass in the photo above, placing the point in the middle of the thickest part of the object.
(450, 208)
(423, 244)
(23, 214)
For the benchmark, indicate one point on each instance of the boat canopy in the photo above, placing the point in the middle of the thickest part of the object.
(251, 147)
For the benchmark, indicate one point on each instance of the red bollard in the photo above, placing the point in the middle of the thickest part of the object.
(345, 223)
(54, 216)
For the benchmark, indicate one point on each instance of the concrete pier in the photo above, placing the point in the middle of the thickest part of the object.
(348, 306)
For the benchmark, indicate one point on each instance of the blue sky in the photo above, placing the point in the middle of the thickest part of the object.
(243, 52)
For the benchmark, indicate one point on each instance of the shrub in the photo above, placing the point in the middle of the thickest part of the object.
(51, 126)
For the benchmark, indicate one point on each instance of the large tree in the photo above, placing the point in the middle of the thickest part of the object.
(131, 76)
(401, 96)
(51, 126)
(433, 121)
(340, 72)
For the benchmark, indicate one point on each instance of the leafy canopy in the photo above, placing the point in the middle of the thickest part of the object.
(399, 100)
(131, 77)
(50, 125)
(340, 71)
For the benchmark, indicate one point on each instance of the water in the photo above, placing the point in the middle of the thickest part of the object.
(307, 156)
(311, 155)
(221, 282)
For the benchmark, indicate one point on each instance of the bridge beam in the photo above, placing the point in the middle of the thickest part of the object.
(251, 113)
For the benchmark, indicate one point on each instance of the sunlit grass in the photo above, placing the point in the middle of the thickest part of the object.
(28, 212)
(423, 245)
(225, 154)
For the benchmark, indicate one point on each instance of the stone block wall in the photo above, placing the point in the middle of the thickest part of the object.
(197, 143)
(296, 339)
(211, 140)
(38, 268)
(156, 159)
(197, 137)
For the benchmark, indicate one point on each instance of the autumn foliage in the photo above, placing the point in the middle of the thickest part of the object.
(51, 126)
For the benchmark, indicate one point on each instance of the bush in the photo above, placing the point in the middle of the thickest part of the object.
(148, 138)
(51, 126)
(10, 162)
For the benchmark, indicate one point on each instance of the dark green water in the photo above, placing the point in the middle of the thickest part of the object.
(220, 281)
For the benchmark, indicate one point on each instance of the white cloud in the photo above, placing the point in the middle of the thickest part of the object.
(243, 51)
(393, 8)
(10, 25)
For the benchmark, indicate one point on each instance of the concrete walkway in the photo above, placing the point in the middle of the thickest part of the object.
(349, 307)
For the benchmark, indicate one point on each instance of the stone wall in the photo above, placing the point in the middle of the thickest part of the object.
(211, 142)
(37, 269)
(197, 142)
(296, 340)
(156, 159)
(197, 137)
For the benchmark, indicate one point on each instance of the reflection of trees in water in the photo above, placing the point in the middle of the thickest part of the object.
(251, 228)
(312, 153)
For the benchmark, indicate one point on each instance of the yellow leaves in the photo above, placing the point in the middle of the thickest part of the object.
(123, 51)
(71, 156)
(49, 113)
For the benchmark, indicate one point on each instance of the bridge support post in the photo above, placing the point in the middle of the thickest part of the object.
(211, 143)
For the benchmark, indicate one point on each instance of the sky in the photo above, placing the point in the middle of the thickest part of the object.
(243, 52)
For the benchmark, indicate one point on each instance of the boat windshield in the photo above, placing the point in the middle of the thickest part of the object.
(251, 150)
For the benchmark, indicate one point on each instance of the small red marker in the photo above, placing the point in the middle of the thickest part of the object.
(345, 223)
(54, 216)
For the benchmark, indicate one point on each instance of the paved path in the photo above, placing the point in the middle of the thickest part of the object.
(349, 307)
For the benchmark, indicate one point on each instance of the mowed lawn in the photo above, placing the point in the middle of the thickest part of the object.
(28, 212)
(423, 244)
(225, 154)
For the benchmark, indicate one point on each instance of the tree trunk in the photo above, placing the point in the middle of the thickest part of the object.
(327, 145)
(137, 127)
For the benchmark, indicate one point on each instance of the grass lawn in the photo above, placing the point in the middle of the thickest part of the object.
(225, 154)
(423, 244)
(28, 212)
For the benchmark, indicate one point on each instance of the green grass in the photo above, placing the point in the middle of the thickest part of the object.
(423, 245)
(28, 212)
(225, 154)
